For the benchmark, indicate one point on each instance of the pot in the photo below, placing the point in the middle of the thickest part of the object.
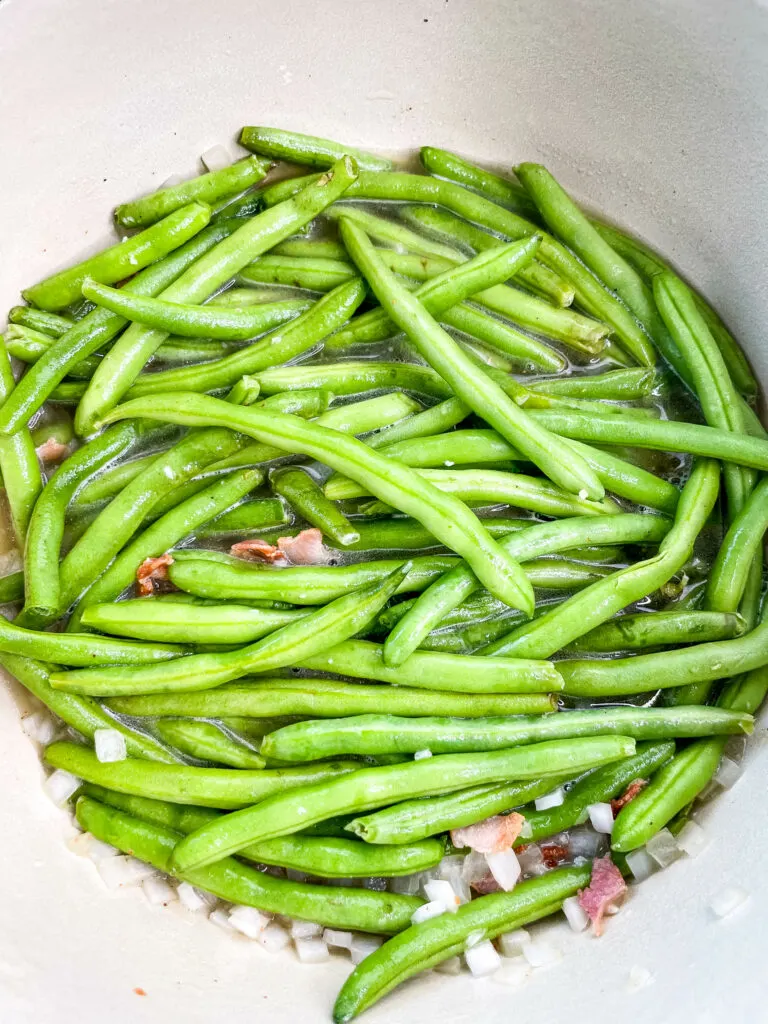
(656, 112)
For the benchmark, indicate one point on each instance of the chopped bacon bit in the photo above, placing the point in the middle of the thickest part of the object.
(490, 836)
(605, 892)
(257, 550)
(486, 885)
(52, 450)
(306, 548)
(628, 795)
(151, 572)
(554, 855)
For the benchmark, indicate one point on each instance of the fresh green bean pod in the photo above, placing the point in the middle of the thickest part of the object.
(128, 356)
(387, 734)
(206, 188)
(313, 247)
(444, 164)
(81, 649)
(41, 320)
(323, 628)
(403, 534)
(326, 698)
(12, 587)
(81, 713)
(436, 420)
(296, 148)
(624, 385)
(28, 345)
(249, 517)
(313, 273)
(238, 883)
(637, 632)
(412, 820)
(736, 555)
(430, 942)
(306, 498)
(184, 784)
(207, 742)
(374, 787)
(18, 461)
(350, 378)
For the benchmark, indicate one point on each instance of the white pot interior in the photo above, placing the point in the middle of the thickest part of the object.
(655, 113)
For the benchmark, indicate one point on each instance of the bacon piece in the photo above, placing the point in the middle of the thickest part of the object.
(306, 548)
(52, 450)
(152, 572)
(258, 550)
(628, 795)
(554, 854)
(484, 886)
(490, 836)
(606, 890)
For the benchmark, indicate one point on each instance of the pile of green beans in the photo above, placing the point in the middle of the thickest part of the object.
(432, 472)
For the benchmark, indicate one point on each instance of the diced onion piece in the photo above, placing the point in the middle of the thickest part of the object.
(475, 867)
(728, 900)
(540, 953)
(337, 939)
(274, 938)
(728, 773)
(190, 897)
(305, 929)
(40, 727)
(513, 943)
(641, 864)
(531, 860)
(421, 754)
(601, 817)
(663, 848)
(482, 959)
(692, 839)
(109, 745)
(514, 973)
(526, 831)
(248, 921)
(158, 890)
(451, 870)
(450, 966)
(505, 868)
(440, 891)
(221, 919)
(575, 914)
(311, 950)
(216, 158)
(60, 786)
(121, 871)
(363, 946)
(428, 910)
(639, 977)
(553, 799)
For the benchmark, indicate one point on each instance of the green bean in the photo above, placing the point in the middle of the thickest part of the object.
(350, 378)
(614, 386)
(249, 517)
(96, 330)
(185, 784)
(46, 525)
(450, 590)
(374, 787)
(385, 733)
(12, 587)
(81, 649)
(29, 345)
(326, 698)
(296, 148)
(430, 942)
(81, 713)
(698, 663)
(575, 617)
(192, 321)
(39, 320)
(112, 480)
(569, 224)
(312, 247)
(648, 264)
(525, 352)
(323, 628)
(207, 742)
(533, 275)
(238, 883)
(121, 260)
(167, 531)
(442, 514)
(282, 344)
(444, 164)
(406, 534)
(412, 820)
(158, 619)
(308, 272)
(128, 356)
(736, 555)
(636, 632)
(207, 188)
(306, 497)
(18, 461)
(496, 487)
(439, 418)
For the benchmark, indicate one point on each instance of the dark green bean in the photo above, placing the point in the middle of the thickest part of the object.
(12, 587)
(296, 148)
(306, 498)
(636, 632)
(249, 517)
(374, 787)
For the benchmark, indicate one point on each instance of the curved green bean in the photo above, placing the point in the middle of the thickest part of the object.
(207, 742)
(29, 345)
(297, 148)
(636, 632)
(444, 164)
(52, 324)
(306, 498)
